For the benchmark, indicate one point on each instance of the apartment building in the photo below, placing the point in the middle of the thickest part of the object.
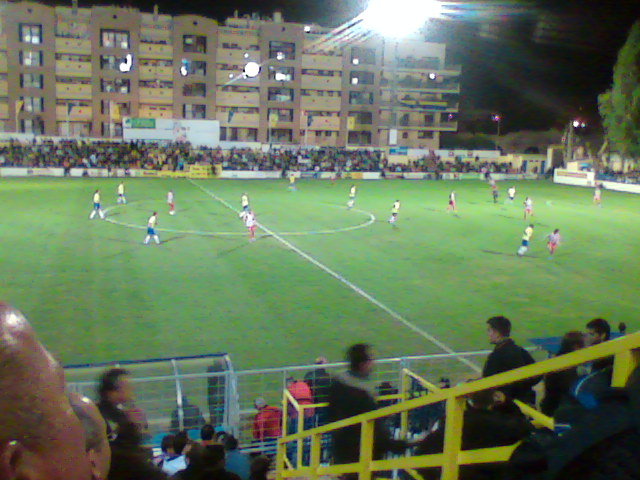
(79, 71)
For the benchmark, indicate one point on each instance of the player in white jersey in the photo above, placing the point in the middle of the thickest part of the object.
(151, 229)
(553, 240)
(528, 208)
(250, 222)
(121, 196)
(452, 202)
(597, 195)
(96, 206)
(171, 202)
(352, 196)
(511, 193)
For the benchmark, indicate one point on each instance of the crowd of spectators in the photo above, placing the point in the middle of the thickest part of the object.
(71, 438)
(176, 156)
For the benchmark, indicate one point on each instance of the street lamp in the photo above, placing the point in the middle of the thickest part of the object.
(498, 120)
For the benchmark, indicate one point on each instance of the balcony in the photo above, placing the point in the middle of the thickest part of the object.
(238, 99)
(321, 62)
(156, 50)
(151, 72)
(73, 45)
(155, 95)
(77, 113)
(413, 84)
(235, 57)
(4, 88)
(70, 91)
(4, 110)
(317, 82)
(323, 104)
(420, 105)
(73, 69)
(250, 120)
(222, 77)
(324, 123)
(446, 127)
(153, 111)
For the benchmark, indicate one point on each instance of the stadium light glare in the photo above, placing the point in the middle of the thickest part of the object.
(399, 18)
(251, 70)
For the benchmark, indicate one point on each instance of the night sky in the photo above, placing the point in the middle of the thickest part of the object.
(537, 63)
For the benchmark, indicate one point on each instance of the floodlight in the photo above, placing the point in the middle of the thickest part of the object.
(307, 28)
(231, 75)
(576, 123)
(281, 77)
(398, 18)
(184, 71)
(432, 76)
(354, 81)
(126, 65)
(279, 56)
(251, 69)
(246, 55)
(355, 61)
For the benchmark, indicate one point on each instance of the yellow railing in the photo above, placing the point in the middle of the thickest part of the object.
(626, 353)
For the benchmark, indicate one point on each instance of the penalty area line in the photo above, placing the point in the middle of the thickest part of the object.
(395, 315)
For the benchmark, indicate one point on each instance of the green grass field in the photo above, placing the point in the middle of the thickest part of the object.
(95, 293)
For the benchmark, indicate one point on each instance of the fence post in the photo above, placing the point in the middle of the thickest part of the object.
(176, 376)
(300, 441)
(366, 449)
(624, 363)
(404, 415)
(280, 453)
(452, 438)
(314, 462)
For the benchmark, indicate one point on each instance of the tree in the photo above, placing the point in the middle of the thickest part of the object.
(620, 105)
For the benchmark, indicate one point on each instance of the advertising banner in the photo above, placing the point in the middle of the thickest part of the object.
(200, 133)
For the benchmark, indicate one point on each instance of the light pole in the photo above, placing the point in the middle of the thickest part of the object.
(571, 128)
(497, 118)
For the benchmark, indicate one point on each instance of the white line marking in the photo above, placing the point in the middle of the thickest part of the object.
(346, 282)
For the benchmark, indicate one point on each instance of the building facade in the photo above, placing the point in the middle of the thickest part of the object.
(79, 71)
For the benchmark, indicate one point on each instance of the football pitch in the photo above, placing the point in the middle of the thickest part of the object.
(318, 278)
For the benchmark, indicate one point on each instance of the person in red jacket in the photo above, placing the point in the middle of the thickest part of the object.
(301, 392)
(267, 424)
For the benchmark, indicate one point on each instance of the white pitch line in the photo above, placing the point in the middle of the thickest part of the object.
(349, 284)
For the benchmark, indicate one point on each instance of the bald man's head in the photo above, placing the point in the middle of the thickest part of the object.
(40, 437)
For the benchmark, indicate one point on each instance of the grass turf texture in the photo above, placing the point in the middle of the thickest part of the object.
(95, 293)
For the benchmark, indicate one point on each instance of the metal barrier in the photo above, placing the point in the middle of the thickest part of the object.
(626, 353)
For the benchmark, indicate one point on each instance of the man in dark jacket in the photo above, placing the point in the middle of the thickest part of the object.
(350, 395)
(506, 356)
(191, 417)
(319, 381)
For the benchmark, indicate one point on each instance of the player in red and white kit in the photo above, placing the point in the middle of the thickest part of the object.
(250, 222)
(553, 240)
(171, 202)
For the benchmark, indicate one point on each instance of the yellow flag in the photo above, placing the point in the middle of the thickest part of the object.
(351, 123)
(115, 112)
(273, 119)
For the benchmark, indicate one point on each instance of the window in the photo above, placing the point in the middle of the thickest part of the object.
(360, 98)
(362, 78)
(115, 85)
(192, 110)
(114, 38)
(109, 62)
(280, 94)
(363, 56)
(30, 80)
(425, 134)
(405, 135)
(32, 125)
(30, 33)
(281, 74)
(33, 104)
(282, 114)
(282, 50)
(194, 90)
(194, 43)
(124, 108)
(362, 118)
(193, 67)
(30, 58)
(111, 129)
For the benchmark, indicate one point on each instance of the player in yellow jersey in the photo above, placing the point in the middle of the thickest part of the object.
(352, 197)
(292, 182)
(244, 203)
(151, 229)
(96, 206)
(121, 196)
(526, 238)
(395, 209)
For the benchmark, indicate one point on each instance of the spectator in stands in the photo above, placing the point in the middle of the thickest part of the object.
(599, 331)
(350, 395)
(168, 453)
(207, 463)
(116, 401)
(622, 328)
(129, 460)
(558, 385)
(95, 432)
(191, 416)
(506, 356)
(216, 392)
(319, 381)
(260, 468)
(207, 433)
(301, 393)
(490, 420)
(236, 461)
(267, 424)
(177, 463)
(194, 468)
(40, 437)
